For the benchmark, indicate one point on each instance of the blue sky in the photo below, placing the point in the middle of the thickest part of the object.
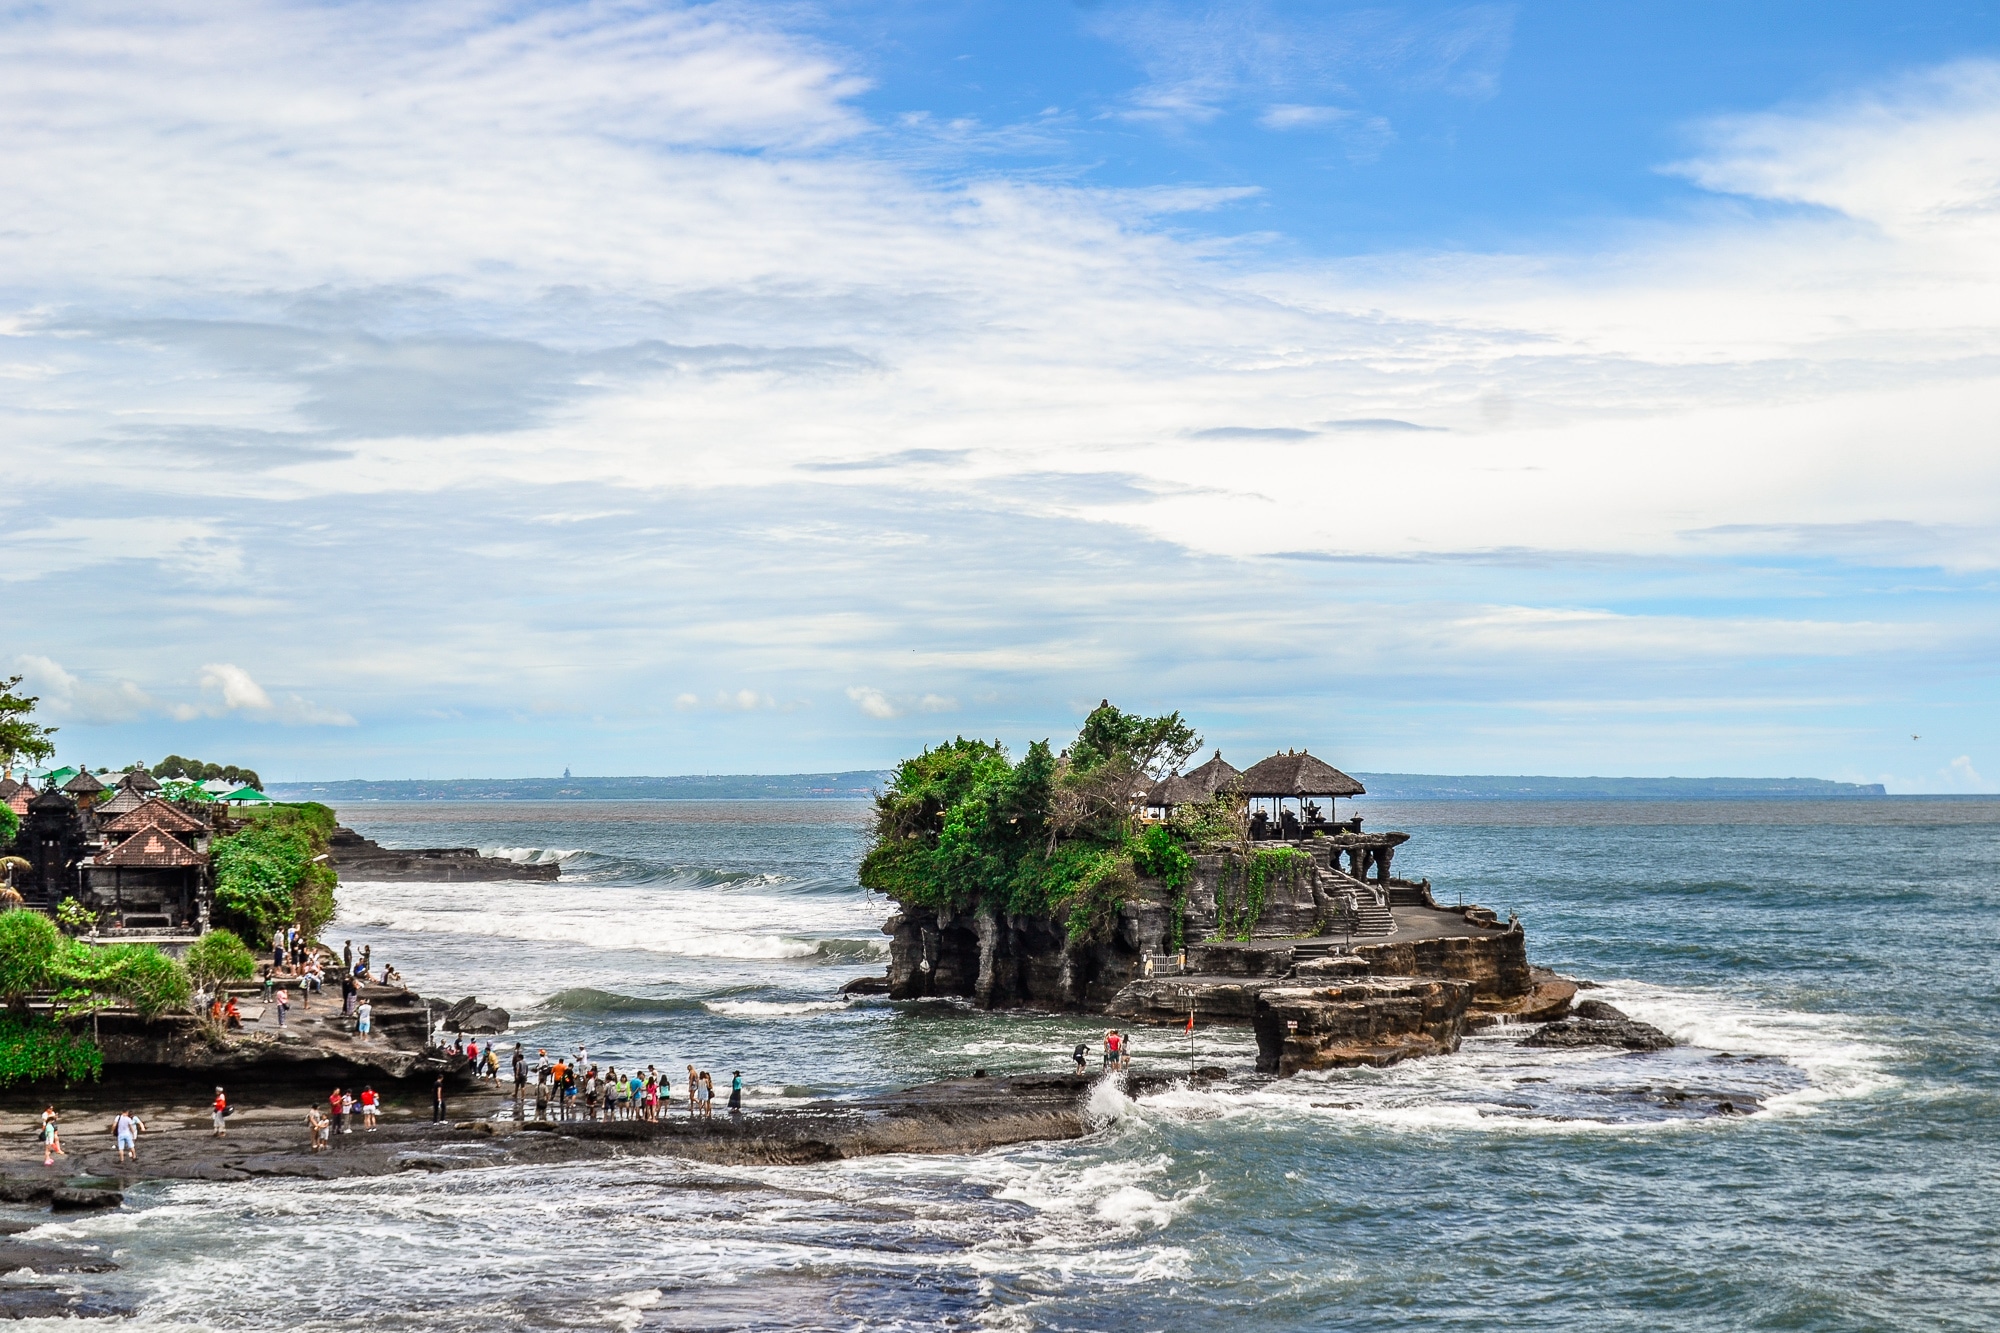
(479, 389)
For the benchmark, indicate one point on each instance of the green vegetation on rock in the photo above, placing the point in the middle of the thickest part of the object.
(267, 875)
(962, 826)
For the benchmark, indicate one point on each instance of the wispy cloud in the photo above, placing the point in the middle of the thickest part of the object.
(437, 358)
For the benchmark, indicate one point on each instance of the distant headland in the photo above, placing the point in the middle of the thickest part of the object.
(863, 783)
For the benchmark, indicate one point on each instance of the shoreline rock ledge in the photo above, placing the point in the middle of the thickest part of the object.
(355, 857)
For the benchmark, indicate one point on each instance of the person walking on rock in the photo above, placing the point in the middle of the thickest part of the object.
(1082, 1057)
(284, 1000)
(126, 1129)
(364, 1019)
(736, 1093)
(51, 1137)
(220, 1114)
(437, 1101)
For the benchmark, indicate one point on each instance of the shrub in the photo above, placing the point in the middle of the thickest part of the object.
(216, 957)
(266, 875)
(32, 1050)
(94, 977)
(30, 945)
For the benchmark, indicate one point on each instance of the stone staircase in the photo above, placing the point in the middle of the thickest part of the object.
(1371, 917)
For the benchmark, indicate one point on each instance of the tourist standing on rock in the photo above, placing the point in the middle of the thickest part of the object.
(520, 1074)
(126, 1129)
(707, 1095)
(347, 958)
(1082, 1057)
(336, 1110)
(736, 1093)
(284, 999)
(52, 1137)
(348, 1103)
(1110, 1048)
(437, 1101)
(220, 1114)
(364, 1019)
(362, 971)
(317, 1128)
(1124, 1050)
(694, 1088)
(369, 1104)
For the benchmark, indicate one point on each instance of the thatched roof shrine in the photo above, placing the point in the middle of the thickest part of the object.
(139, 780)
(1212, 776)
(1296, 774)
(82, 785)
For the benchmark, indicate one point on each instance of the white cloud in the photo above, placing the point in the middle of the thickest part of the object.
(1960, 775)
(239, 693)
(1917, 157)
(873, 702)
(1285, 116)
(728, 701)
(68, 697)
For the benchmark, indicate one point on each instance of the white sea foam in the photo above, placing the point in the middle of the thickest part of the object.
(533, 856)
(773, 1008)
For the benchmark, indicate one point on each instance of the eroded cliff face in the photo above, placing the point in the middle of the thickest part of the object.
(1001, 961)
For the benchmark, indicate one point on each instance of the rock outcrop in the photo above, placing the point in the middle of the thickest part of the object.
(1369, 1021)
(1596, 1023)
(355, 857)
(1005, 961)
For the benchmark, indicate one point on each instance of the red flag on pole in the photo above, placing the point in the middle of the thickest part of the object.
(1190, 1020)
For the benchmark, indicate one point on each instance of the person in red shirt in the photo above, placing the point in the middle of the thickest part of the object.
(221, 1111)
(369, 1102)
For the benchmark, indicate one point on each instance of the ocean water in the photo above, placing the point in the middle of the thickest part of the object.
(1835, 960)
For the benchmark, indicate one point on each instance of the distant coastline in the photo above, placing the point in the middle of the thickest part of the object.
(863, 783)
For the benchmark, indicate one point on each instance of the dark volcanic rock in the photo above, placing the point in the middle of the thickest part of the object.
(43, 1258)
(1596, 1023)
(68, 1200)
(356, 857)
(866, 986)
(58, 1303)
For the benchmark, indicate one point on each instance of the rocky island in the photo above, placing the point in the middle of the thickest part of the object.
(1104, 880)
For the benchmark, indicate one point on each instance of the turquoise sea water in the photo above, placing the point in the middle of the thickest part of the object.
(1835, 959)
